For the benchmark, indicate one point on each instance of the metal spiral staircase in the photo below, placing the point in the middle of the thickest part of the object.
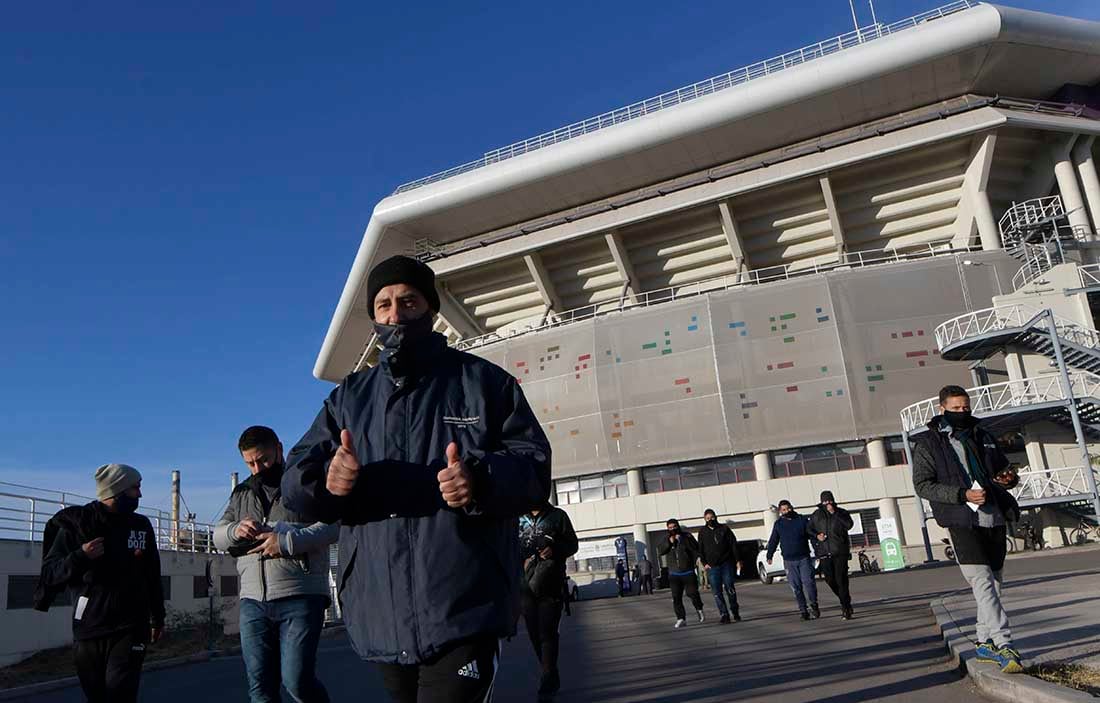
(1037, 233)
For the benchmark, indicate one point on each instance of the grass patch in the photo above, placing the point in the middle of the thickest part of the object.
(52, 664)
(1075, 676)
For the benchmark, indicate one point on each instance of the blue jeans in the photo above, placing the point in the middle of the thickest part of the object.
(279, 645)
(721, 581)
(800, 575)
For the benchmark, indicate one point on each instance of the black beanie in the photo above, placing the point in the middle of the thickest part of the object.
(827, 496)
(402, 269)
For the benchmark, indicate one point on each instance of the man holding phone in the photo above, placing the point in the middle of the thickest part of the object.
(959, 468)
(282, 560)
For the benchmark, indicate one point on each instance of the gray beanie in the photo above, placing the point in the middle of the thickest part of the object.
(113, 479)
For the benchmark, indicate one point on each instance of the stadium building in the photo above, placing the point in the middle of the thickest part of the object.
(739, 291)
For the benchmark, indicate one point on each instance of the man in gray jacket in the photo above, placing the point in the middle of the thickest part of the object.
(283, 563)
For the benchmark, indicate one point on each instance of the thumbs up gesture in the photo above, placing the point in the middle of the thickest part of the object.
(455, 482)
(343, 470)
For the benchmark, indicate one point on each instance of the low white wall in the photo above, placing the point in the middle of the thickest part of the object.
(25, 631)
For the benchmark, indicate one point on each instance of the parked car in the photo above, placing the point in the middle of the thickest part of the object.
(768, 574)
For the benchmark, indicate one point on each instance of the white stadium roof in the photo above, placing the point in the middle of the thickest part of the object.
(966, 49)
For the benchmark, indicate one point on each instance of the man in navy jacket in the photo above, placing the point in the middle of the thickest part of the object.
(794, 532)
(427, 460)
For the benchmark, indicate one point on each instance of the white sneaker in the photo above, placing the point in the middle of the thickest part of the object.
(701, 616)
(679, 623)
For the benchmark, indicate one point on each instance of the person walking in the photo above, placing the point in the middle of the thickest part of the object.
(830, 524)
(427, 460)
(620, 577)
(645, 575)
(105, 555)
(962, 472)
(283, 565)
(682, 551)
(718, 554)
(547, 540)
(792, 533)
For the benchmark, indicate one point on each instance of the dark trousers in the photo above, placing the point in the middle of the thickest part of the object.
(645, 584)
(109, 668)
(721, 582)
(542, 616)
(835, 571)
(464, 673)
(680, 585)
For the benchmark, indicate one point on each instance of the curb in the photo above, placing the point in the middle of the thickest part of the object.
(1010, 688)
(8, 694)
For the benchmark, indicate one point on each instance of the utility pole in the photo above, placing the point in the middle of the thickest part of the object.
(175, 529)
(233, 480)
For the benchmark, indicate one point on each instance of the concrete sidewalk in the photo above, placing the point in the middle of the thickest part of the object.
(1055, 618)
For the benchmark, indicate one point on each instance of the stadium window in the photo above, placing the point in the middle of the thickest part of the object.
(852, 455)
(698, 475)
(820, 459)
(736, 469)
(659, 479)
(787, 463)
(615, 486)
(568, 491)
(895, 451)
(200, 587)
(869, 538)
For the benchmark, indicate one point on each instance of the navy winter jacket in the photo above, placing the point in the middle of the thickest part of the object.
(793, 533)
(416, 575)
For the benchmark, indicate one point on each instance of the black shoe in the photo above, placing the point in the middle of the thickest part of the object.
(805, 615)
(847, 615)
(736, 616)
(725, 620)
(549, 683)
(816, 610)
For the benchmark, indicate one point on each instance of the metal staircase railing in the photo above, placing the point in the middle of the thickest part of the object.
(1037, 233)
(1018, 396)
(980, 333)
(1042, 485)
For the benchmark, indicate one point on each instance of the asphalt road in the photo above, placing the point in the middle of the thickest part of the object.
(623, 650)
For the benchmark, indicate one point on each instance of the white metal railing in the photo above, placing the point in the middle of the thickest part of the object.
(25, 510)
(747, 278)
(1089, 275)
(1005, 317)
(1009, 395)
(696, 90)
(1032, 269)
(1027, 213)
(1039, 484)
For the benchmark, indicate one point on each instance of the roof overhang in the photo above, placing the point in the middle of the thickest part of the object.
(986, 50)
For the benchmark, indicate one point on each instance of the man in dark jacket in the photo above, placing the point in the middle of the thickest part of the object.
(959, 469)
(830, 524)
(792, 533)
(682, 551)
(427, 460)
(546, 540)
(718, 552)
(106, 555)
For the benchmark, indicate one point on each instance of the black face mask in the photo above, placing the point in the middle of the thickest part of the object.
(125, 504)
(711, 523)
(404, 335)
(961, 420)
(271, 477)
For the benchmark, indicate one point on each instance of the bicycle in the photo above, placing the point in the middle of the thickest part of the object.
(948, 550)
(1082, 533)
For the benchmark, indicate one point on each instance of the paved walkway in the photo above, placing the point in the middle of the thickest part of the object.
(621, 650)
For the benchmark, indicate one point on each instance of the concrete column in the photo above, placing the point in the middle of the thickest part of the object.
(888, 507)
(977, 180)
(1066, 175)
(876, 453)
(641, 543)
(634, 482)
(1086, 171)
(988, 232)
(770, 516)
(763, 463)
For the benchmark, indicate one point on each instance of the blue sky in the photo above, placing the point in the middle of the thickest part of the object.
(183, 188)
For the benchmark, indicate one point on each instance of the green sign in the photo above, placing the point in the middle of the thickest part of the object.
(890, 544)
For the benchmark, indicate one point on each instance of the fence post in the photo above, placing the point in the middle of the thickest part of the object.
(30, 534)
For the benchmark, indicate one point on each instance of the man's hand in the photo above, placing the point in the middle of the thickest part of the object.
(740, 566)
(1005, 478)
(249, 529)
(268, 546)
(155, 634)
(769, 562)
(93, 549)
(455, 482)
(546, 553)
(527, 562)
(976, 496)
(343, 470)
